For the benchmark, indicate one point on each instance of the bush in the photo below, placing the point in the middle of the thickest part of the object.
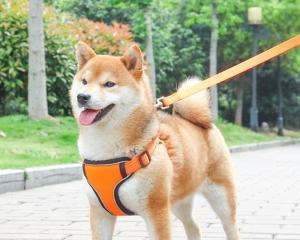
(13, 63)
(14, 67)
(104, 39)
(61, 34)
(60, 71)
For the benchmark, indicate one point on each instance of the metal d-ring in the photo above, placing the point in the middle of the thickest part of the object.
(159, 104)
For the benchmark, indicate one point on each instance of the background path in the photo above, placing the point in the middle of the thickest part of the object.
(269, 205)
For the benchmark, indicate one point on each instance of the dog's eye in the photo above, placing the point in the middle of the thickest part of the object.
(84, 82)
(109, 84)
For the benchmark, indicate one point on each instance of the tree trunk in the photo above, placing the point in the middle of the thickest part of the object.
(37, 93)
(213, 62)
(239, 106)
(149, 53)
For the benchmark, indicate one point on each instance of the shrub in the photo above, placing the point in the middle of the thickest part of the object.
(14, 66)
(114, 39)
(60, 70)
(13, 63)
(61, 33)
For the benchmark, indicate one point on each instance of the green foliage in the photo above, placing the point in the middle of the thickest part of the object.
(14, 67)
(174, 44)
(178, 55)
(181, 38)
(280, 21)
(177, 49)
(13, 63)
(107, 11)
(60, 71)
(61, 33)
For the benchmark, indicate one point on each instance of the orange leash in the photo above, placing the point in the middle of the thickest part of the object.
(165, 102)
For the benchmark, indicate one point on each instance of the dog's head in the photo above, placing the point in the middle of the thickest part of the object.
(107, 88)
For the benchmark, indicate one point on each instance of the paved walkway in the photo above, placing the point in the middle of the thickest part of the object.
(269, 205)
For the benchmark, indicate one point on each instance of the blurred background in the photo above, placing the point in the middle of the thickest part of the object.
(180, 38)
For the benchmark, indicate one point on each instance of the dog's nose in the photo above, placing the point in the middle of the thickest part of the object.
(83, 98)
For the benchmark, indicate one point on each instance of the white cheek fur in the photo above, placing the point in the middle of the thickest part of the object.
(76, 85)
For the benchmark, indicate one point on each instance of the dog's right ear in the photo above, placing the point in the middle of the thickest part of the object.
(83, 54)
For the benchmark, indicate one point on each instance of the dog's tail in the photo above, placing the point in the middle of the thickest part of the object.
(196, 107)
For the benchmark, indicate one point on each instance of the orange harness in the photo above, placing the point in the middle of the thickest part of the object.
(105, 177)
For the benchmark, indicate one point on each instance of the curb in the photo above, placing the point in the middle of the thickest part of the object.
(41, 176)
(11, 180)
(16, 180)
(263, 145)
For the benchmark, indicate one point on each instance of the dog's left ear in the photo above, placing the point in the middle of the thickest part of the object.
(133, 60)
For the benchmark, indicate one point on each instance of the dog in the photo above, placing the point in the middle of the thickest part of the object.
(164, 159)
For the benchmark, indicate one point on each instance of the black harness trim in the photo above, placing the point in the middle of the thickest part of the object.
(118, 200)
(105, 162)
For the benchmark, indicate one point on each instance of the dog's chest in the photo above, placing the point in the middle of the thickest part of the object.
(135, 190)
(103, 146)
(133, 193)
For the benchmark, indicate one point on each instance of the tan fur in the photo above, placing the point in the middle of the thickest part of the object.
(133, 61)
(193, 157)
(83, 53)
(194, 108)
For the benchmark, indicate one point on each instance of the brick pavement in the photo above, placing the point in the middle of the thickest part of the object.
(269, 205)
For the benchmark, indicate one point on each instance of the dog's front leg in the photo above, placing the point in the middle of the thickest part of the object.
(159, 223)
(102, 223)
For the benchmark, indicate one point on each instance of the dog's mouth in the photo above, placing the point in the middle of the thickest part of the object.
(90, 116)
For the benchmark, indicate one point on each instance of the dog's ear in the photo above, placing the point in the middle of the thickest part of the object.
(83, 54)
(133, 60)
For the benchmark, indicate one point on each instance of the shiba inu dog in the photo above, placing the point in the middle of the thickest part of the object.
(127, 170)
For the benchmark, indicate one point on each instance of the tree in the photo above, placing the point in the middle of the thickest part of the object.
(174, 44)
(182, 33)
(238, 119)
(37, 94)
(149, 53)
(213, 61)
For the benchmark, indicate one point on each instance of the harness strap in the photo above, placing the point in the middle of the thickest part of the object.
(142, 160)
(105, 177)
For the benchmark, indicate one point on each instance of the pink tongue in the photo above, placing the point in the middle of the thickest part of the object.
(87, 116)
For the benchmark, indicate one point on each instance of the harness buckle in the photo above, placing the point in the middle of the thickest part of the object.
(159, 104)
(144, 154)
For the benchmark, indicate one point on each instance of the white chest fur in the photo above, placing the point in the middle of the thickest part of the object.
(109, 144)
(99, 146)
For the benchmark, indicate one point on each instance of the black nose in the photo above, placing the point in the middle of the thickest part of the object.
(83, 98)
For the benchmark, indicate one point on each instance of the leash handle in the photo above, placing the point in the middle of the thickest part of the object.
(294, 42)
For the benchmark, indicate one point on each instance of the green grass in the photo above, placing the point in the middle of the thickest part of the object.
(39, 143)
(237, 135)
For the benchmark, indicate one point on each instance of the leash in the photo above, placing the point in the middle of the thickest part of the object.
(165, 102)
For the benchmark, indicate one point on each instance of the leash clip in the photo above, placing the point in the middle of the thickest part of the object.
(159, 104)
